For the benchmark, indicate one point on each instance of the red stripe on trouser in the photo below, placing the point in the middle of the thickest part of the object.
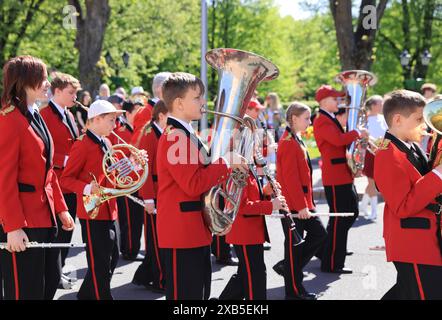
(15, 270)
(129, 229)
(335, 226)
(292, 267)
(175, 282)
(91, 253)
(419, 283)
(155, 245)
(249, 274)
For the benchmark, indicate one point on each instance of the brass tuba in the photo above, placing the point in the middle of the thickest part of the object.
(239, 73)
(356, 83)
(125, 167)
(433, 119)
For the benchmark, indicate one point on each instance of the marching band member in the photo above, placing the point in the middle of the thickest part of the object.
(336, 177)
(183, 176)
(130, 214)
(61, 124)
(31, 196)
(151, 272)
(294, 173)
(144, 115)
(412, 224)
(248, 234)
(98, 234)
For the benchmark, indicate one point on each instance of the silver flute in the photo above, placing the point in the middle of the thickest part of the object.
(32, 244)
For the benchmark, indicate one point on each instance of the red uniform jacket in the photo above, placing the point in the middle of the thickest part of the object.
(182, 179)
(63, 133)
(332, 143)
(149, 141)
(249, 226)
(294, 172)
(85, 159)
(409, 228)
(142, 117)
(30, 194)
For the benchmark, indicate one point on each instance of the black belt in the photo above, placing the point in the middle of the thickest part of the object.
(23, 187)
(190, 206)
(338, 161)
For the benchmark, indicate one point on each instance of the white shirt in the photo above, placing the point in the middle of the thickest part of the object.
(331, 114)
(158, 127)
(186, 125)
(33, 108)
(377, 126)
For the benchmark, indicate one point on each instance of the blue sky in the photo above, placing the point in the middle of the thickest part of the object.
(291, 7)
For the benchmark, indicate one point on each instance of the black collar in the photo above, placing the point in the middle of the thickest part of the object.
(128, 127)
(94, 138)
(332, 119)
(155, 129)
(55, 110)
(420, 164)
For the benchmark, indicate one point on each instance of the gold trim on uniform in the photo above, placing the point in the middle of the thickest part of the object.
(7, 110)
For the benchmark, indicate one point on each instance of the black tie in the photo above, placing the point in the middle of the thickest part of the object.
(70, 125)
(103, 145)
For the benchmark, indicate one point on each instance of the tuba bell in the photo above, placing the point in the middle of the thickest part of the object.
(433, 118)
(356, 83)
(239, 73)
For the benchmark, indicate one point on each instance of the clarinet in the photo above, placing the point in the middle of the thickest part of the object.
(286, 216)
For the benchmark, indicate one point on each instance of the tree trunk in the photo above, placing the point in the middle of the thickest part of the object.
(91, 27)
(355, 47)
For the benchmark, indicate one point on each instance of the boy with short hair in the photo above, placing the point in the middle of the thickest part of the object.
(183, 177)
(99, 234)
(412, 224)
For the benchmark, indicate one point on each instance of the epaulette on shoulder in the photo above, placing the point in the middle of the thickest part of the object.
(168, 130)
(147, 129)
(382, 144)
(81, 137)
(9, 109)
(288, 137)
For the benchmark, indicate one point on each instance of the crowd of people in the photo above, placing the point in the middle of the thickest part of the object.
(54, 138)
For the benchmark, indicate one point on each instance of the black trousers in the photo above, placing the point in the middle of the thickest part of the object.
(188, 273)
(102, 257)
(250, 281)
(59, 255)
(220, 248)
(340, 198)
(416, 282)
(25, 274)
(130, 218)
(152, 268)
(297, 257)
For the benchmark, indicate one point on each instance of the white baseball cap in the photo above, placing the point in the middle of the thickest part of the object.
(102, 107)
(137, 90)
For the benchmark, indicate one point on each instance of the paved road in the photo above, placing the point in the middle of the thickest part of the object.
(372, 276)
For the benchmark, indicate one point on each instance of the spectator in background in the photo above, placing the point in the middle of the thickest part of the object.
(120, 91)
(428, 90)
(274, 114)
(103, 92)
(376, 129)
(84, 97)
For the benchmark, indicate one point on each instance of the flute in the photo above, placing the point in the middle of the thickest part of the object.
(318, 214)
(49, 245)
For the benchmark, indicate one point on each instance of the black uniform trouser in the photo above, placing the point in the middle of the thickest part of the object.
(297, 257)
(152, 267)
(130, 219)
(53, 277)
(188, 273)
(416, 282)
(340, 198)
(102, 257)
(250, 281)
(220, 248)
(25, 273)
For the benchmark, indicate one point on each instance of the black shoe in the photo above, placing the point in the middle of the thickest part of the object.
(339, 271)
(156, 289)
(279, 268)
(302, 296)
(138, 257)
(267, 246)
(349, 253)
(227, 262)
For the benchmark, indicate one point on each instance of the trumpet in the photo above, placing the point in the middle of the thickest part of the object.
(120, 171)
